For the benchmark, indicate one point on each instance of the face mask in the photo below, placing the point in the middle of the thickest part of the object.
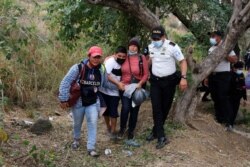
(120, 61)
(132, 52)
(239, 72)
(212, 41)
(157, 44)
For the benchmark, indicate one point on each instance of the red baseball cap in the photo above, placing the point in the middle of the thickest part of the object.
(94, 51)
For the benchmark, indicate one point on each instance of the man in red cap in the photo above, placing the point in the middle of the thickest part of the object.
(88, 75)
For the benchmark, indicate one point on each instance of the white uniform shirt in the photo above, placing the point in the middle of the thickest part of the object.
(224, 65)
(164, 58)
(111, 64)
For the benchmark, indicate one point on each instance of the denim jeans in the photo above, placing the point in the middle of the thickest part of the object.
(91, 113)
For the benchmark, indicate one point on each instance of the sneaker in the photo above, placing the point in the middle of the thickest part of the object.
(150, 137)
(93, 153)
(75, 145)
(113, 136)
(132, 143)
(162, 142)
(229, 128)
(120, 134)
(130, 135)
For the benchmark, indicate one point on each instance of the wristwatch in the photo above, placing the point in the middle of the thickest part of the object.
(184, 76)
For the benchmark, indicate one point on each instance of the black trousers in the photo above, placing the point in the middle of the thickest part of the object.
(128, 112)
(162, 93)
(219, 85)
(235, 102)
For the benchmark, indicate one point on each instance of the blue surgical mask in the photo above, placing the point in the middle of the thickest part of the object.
(157, 44)
(212, 41)
(130, 53)
(239, 72)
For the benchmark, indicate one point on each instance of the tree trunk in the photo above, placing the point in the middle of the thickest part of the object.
(237, 26)
(134, 7)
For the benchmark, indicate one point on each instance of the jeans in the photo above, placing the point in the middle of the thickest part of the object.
(91, 113)
(128, 110)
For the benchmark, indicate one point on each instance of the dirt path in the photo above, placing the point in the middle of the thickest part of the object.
(207, 145)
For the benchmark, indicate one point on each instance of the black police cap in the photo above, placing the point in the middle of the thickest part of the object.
(157, 32)
(219, 33)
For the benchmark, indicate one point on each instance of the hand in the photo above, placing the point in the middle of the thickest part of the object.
(138, 86)
(183, 84)
(121, 86)
(206, 82)
(64, 105)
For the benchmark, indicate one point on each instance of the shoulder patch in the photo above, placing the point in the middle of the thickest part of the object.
(172, 43)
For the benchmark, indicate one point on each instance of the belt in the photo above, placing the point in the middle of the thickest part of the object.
(220, 73)
(169, 77)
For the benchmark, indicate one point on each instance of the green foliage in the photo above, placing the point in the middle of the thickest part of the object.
(78, 19)
(41, 156)
(94, 24)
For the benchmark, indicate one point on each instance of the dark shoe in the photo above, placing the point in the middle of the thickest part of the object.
(162, 142)
(229, 128)
(132, 142)
(113, 136)
(150, 137)
(130, 135)
(93, 153)
(75, 145)
(120, 134)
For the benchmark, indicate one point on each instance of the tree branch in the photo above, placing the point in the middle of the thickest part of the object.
(136, 8)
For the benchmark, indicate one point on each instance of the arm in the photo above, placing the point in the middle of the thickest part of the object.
(145, 72)
(109, 65)
(119, 84)
(232, 59)
(64, 89)
(183, 66)
(183, 83)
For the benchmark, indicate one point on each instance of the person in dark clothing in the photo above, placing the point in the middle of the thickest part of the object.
(247, 60)
(204, 88)
(220, 81)
(238, 90)
(164, 77)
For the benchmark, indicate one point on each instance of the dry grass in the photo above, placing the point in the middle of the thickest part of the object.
(209, 145)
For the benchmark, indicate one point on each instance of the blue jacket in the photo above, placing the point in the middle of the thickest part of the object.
(73, 74)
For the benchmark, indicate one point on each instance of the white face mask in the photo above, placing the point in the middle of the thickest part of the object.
(239, 72)
(132, 52)
(212, 41)
(157, 44)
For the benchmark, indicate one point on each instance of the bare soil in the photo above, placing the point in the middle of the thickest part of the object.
(205, 143)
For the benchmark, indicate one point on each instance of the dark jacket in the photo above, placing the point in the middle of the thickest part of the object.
(238, 87)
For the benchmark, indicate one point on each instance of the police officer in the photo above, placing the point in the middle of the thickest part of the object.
(220, 81)
(164, 78)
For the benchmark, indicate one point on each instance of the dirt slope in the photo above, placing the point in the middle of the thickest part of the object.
(205, 145)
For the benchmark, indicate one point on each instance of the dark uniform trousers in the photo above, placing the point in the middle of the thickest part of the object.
(219, 85)
(162, 92)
